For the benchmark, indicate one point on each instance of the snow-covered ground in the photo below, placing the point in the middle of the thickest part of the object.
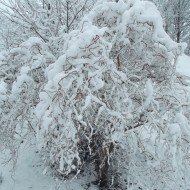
(28, 173)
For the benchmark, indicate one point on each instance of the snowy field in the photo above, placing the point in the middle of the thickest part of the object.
(28, 173)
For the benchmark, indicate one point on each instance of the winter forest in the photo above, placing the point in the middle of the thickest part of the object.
(95, 94)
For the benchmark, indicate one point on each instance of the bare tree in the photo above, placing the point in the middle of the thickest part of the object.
(44, 19)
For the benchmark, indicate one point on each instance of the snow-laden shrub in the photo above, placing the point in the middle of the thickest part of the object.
(113, 99)
(21, 79)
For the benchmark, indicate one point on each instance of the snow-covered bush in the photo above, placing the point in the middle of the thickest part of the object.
(113, 99)
(21, 79)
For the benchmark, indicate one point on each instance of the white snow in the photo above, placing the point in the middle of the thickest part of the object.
(183, 65)
(149, 91)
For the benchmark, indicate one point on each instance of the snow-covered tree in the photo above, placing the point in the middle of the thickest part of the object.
(7, 34)
(113, 99)
(176, 15)
(48, 20)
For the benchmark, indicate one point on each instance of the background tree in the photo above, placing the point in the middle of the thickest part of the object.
(48, 20)
(9, 37)
(176, 15)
